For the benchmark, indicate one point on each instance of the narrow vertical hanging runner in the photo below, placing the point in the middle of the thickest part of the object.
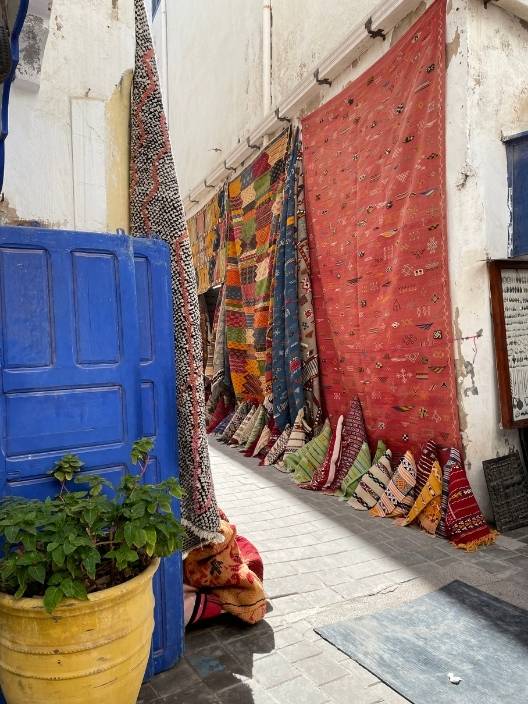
(250, 251)
(288, 392)
(374, 161)
(313, 410)
(156, 210)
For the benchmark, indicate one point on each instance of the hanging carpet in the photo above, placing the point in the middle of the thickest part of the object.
(374, 160)
(252, 198)
(287, 378)
(310, 359)
(207, 230)
(156, 210)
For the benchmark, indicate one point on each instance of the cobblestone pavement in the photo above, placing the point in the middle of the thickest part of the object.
(323, 562)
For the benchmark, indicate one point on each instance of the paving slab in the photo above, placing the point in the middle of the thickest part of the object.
(323, 562)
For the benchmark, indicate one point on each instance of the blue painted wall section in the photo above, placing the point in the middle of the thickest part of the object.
(87, 366)
(517, 153)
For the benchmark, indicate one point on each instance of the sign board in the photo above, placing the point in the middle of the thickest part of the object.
(509, 303)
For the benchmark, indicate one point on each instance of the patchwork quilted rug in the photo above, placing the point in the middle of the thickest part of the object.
(253, 200)
(374, 159)
(156, 208)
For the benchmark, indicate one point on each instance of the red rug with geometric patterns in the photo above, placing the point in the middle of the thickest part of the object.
(376, 212)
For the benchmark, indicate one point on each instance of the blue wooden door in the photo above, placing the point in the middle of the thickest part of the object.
(158, 420)
(87, 366)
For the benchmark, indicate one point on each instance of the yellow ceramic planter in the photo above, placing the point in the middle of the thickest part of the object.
(86, 652)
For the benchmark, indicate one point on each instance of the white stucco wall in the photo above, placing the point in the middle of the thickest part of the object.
(304, 31)
(66, 153)
(215, 84)
(487, 98)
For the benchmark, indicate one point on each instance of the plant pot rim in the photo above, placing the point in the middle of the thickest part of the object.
(70, 606)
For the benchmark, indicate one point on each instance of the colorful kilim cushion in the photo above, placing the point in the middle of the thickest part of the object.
(252, 196)
(305, 461)
(360, 466)
(322, 473)
(276, 452)
(374, 174)
(353, 436)
(239, 434)
(223, 424)
(465, 525)
(240, 413)
(449, 458)
(298, 435)
(256, 428)
(275, 434)
(398, 497)
(381, 449)
(427, 507)
(373, 484)
(425, 463)
(220, 412)
(262, 441)
(240, 437)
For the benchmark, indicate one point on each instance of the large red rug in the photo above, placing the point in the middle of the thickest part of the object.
(375, 193)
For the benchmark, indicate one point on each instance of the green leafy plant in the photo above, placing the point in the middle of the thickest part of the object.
(89, 539)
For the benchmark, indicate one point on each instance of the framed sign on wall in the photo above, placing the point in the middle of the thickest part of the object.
(509, 306)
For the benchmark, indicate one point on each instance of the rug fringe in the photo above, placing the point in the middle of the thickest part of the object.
(205, 536)
(474, 545)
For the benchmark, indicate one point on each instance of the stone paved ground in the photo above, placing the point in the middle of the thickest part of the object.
(323, 562)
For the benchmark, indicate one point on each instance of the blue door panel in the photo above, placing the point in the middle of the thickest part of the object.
(28, 341)
(97, 308)
(153, 294)
(517, 154)
(87, 366)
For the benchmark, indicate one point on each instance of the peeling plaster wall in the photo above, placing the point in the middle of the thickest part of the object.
(67, 149)
(487, 98)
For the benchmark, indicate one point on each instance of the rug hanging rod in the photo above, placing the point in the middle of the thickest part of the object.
(378, 24)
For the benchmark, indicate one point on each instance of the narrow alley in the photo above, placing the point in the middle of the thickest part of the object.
(323, 562)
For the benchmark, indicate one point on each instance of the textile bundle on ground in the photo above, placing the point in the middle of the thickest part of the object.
(398, 497)
(450, 457)
(252, 198)
(207, 232)
(304, 462)
(373, 483)
(374, 160)
(221, 570)
(156, 210)
(287, 380)
(465, 525)
(426, 508)
(353, 437)
(322, 473)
